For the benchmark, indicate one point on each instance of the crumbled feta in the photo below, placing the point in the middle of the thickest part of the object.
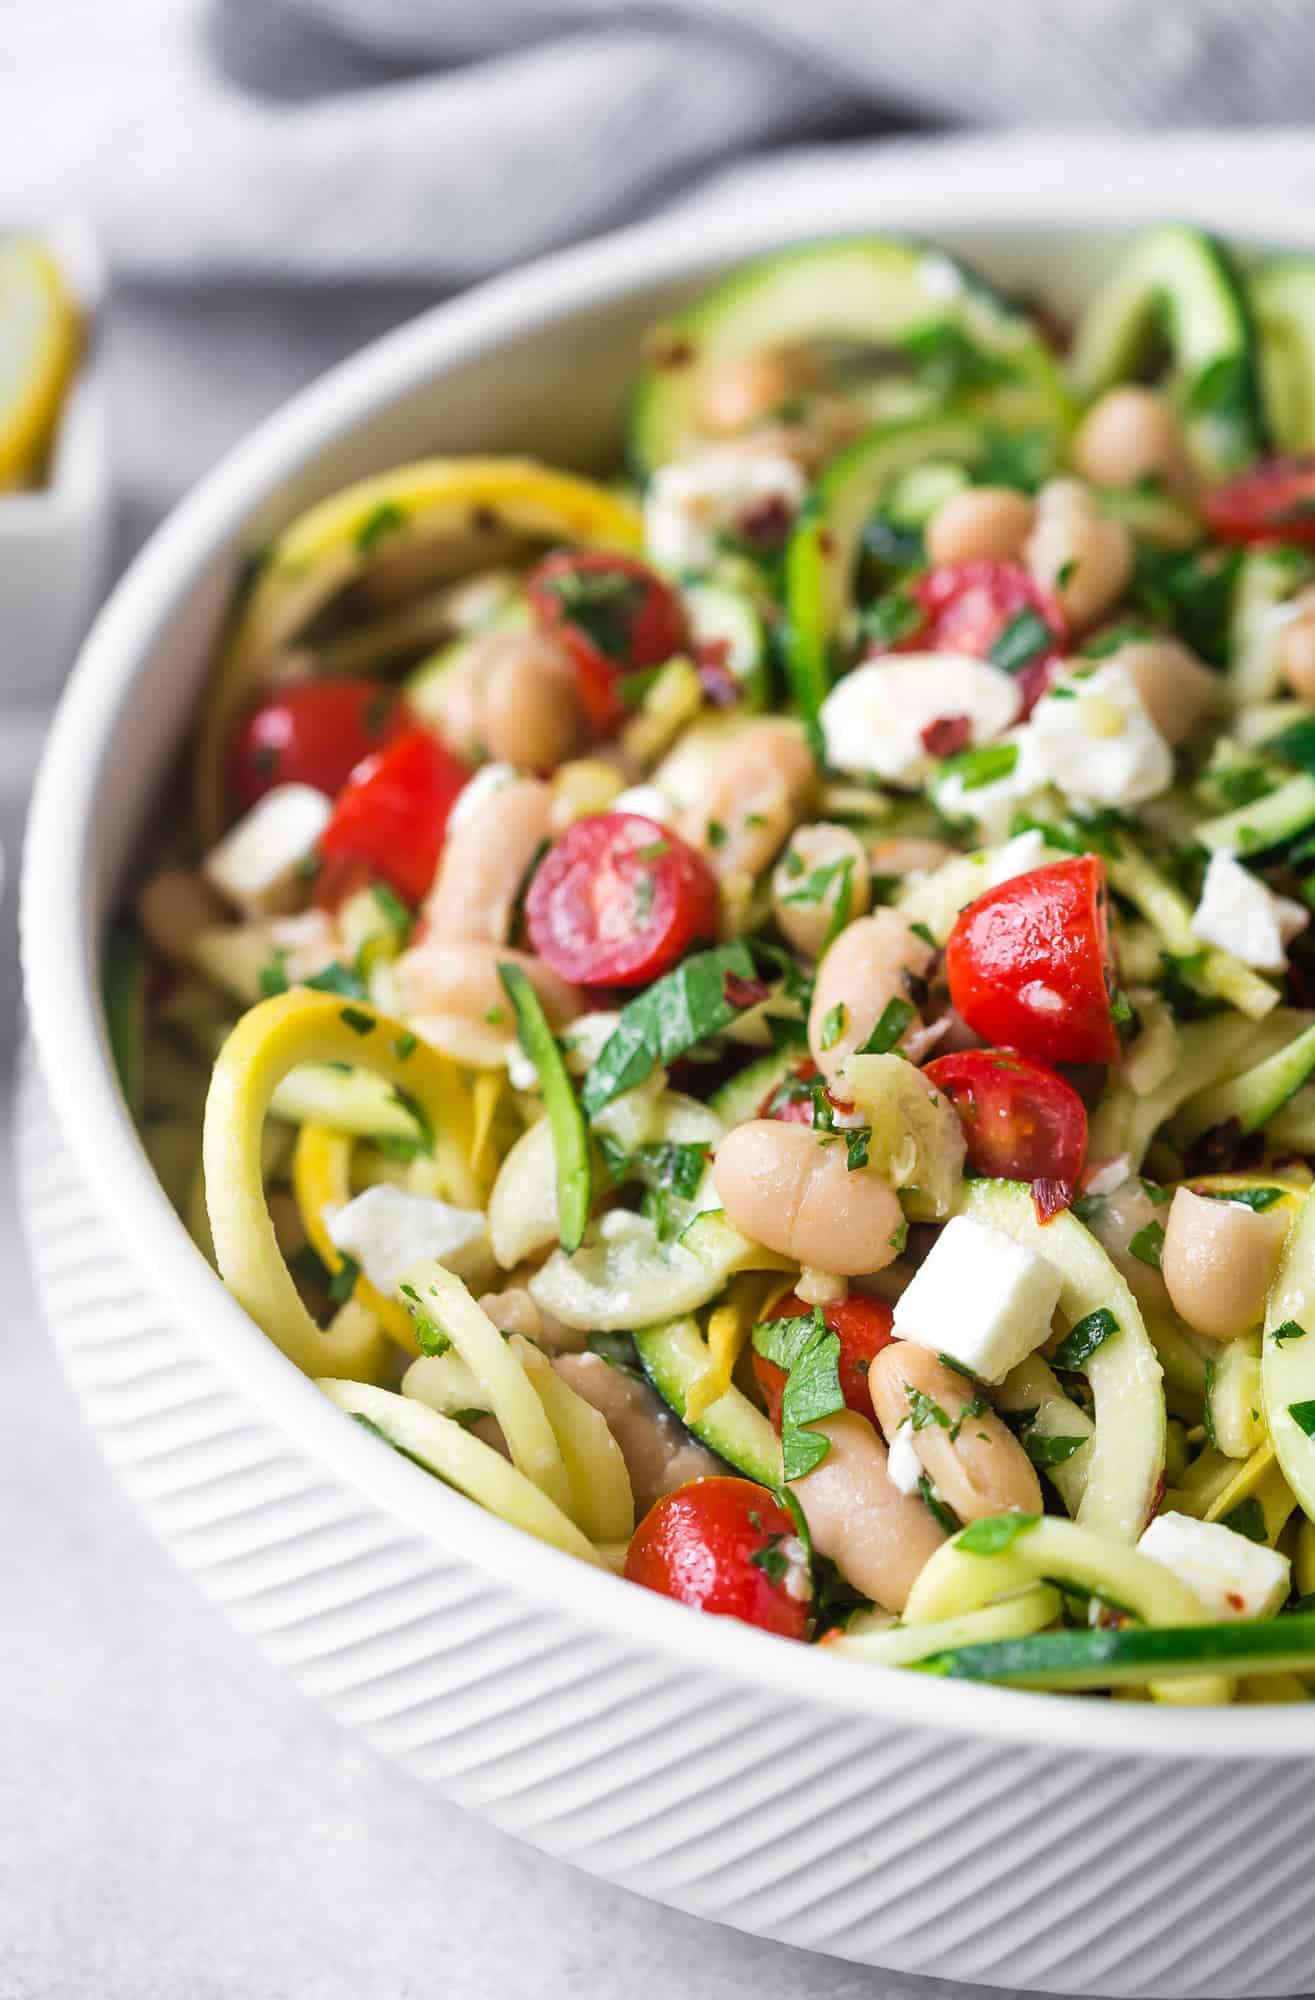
(873, 720)
(902, 1461)
(1233, 1577)
(387, 1229)
(587, 1037)
(1109, 1178)
(521, 1073)
(256, 864)
(991, 808)
(476, 791)
(649, 800)
(693, 504)
(1095, 740)
(940, 278)
(1018, 856)
(1238, 913)
(980, 1298)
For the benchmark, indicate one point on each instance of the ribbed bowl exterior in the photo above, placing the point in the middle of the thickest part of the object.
(914, 1848)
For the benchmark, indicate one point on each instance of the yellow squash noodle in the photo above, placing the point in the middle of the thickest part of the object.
(321, 1180)
(474, 1468)
(411, 507)
(957, 1580)
(296, 1027)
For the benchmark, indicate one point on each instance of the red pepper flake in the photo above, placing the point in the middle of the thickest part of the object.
(1050, 1198)
(1235, 1598)
(1157, 1498)
(719, 684)
(947, 735)
(737, 992)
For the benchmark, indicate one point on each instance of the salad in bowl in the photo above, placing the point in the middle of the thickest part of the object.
(758, 1020)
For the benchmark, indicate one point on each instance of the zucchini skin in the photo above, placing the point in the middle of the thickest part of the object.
(874, 288)
(732, 1427)
(1126, 1656)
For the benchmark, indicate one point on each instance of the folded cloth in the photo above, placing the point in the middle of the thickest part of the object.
(277, 179)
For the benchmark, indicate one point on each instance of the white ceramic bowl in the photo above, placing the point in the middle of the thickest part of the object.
(1093, 1847)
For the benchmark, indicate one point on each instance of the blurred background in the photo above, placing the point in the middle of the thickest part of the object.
(269, 183)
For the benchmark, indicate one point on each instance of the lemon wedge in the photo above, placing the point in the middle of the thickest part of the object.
(38, 349)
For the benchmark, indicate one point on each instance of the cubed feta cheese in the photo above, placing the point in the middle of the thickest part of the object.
(1238, 913)
(649, 800)
(1233, 1577)
(1094, 739)
(902, 1461)
(387, 1229)
(694, 504)
(490, 778)
(980, 1298)
(256, 865)
(873, 720)
(990, 808)
(1019, 856)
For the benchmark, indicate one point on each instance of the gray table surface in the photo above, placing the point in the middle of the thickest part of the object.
(178, 1823)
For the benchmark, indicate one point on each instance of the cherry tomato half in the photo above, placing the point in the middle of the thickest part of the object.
(725, 1546)
(312, 734)
(1029, 964)
(614, 616)
(1274, 501)
(863, 1327)
(1021, 1120)
(618, 899)
(967, 607)
(389, 819)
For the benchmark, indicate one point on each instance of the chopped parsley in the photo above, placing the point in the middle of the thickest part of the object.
(1085, 1336)
(833, 1025)
(359, 1022)
(995, 1534)
(385, 519)
(1148, 1244)
(339, 979)
(1256, 1198)
(1247, 1518)
(405, 1046)
(1047, 1451)
(984, 766)
(342, 1282)
(810, 1355)
(944, 1517)
(895, 1018)
(1023, 639)
(1291, 1329)
(1303, 1416)
(682, 1008)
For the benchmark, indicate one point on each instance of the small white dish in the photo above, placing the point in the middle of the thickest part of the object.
(1048, 1843)
(54, 539)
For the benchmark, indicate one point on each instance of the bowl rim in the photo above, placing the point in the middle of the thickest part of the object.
(60, 950)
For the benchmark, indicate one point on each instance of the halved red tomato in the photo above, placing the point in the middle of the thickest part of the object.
(312, 734)
(728, 1547)
(1273, 501)
(863, 1328)
(974, 607)
(618, 900)
(615, 616)
(1029, 964)
(390, 818)
(1021, 1120)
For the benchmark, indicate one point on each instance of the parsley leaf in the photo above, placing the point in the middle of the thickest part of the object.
(833, 1025)
(1084, 1337)
(1247, 1518)
(339, 979)
(944, 1517)
(1303, 1416)
(1020, 641)
(1047, 1451)
(996, 1533)
(810, 1355)
(1147, 1244)
(683, 1007)
(1291, 1329)
(342, 1283)
(895, 1018)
